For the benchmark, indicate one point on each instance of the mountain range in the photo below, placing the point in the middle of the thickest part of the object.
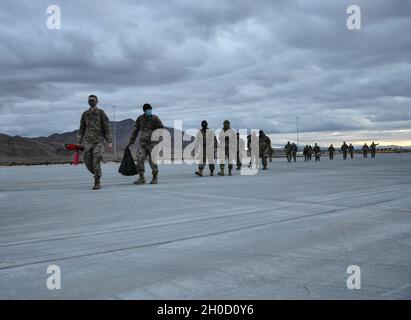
(40, 150)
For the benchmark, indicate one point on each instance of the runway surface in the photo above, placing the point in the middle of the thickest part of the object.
(290, 232)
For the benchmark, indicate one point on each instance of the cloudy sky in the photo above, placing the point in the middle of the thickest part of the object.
(259, 64)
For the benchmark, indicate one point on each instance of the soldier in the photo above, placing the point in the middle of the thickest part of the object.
(373, 148)
(317, 152)
(365, 149)
(204, 147)
(351, 150)
(227, 140)
(344, 149)
(253, 155)
(331, 151)
(310, 152)
(305, 153)
(295, 150)
(288, 151)
(146, 124)
(264, 143)
(240, 150)
(94, 126)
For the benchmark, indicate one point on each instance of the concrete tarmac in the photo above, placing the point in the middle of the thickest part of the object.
(289, 232)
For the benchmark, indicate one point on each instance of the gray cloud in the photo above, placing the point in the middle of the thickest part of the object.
(258, 63)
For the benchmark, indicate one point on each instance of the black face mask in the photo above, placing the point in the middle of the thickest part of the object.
(92, 103)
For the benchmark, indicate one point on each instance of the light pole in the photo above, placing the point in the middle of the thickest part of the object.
(298, 134)
(114, 134)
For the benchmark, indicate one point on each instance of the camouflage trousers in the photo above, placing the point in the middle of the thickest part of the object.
(264, 154)
(225, 154)
(93, 155)
(143, 152)
(204, 156)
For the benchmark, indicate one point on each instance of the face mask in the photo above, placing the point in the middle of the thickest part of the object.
(148, 112)
(92, 103)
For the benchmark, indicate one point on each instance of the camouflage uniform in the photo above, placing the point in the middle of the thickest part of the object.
(295, 150)
(94, 126)
(351, 151)
(288, 151)
(146, 125)
(227, 138)
(240, 151)
(344, 149)
(204, 146)
(271, 154)
(365, 149)
(373, 148)
(305, 153)
(250, 152)
(317, 153)
(264, 149)
(331, 151)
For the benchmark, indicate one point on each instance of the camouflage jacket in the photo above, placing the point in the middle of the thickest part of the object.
(264, 143)
(94, 126)
(146, 125)
(288, 148)
(204, 140)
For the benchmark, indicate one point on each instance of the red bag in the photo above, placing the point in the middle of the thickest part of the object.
(75, 158)
(74, 147)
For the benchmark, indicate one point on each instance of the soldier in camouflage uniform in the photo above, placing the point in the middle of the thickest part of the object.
(331, 151)
(264, 148)
(146, 124)
(94, 126)
(305, 153)
(240, 151)
(344, 149)
(351, 150)
(295, 150)
(373, 148)
(227, 140)
(204, 147)
(365, 149)
(288, 151)
(317, 152)
(250, 152)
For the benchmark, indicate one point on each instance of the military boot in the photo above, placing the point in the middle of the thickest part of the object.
(154, 180)
(221, 173)
(97, 185)
(199, 172)
(229, 172)
(141, 179)
(211, 173)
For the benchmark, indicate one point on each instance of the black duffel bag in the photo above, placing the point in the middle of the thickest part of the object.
(128, 166)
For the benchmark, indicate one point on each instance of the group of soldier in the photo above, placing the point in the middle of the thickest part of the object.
(206, 147)
(308, 151)
(94, 127)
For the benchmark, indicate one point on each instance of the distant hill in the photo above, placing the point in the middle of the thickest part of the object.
(23, 150)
